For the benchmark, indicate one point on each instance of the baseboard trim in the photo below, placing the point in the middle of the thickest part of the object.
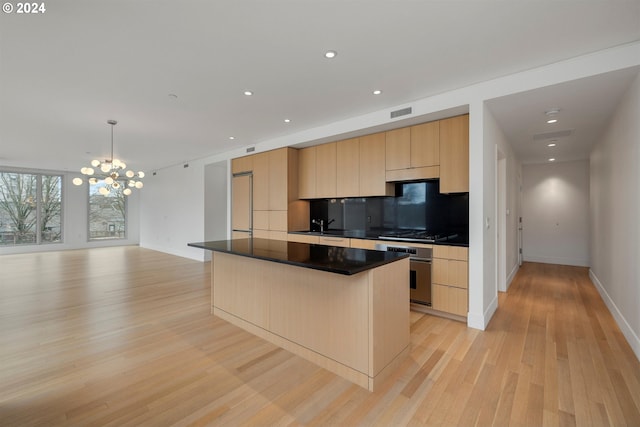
(557, 260)
(512, 275)
(627, 331)
(481, 322)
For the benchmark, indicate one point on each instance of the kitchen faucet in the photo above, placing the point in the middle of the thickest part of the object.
(320, 223)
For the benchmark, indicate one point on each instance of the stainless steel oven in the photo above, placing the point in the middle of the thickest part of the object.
(420, 274)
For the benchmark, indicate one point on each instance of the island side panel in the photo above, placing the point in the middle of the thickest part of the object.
(324, 312)
(237, 287)
(389, 311)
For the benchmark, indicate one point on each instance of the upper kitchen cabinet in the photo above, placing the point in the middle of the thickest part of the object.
(279, 194)
(412, 153)
(326, 169)
(348, 168)
(242, 164)
(454, 154)
(398, 149)
(261, 181)
(372, 167)
(317, 172)
(307, 173)
(425, 145)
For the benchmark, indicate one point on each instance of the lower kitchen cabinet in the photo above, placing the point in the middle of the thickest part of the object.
(449, 299)
(335, 241)
(450, 279)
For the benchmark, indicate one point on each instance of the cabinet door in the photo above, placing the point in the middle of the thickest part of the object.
(449, 299)
(348, 168)
(241, 203)
(425, 145)
(242, 164)
(454, 154)
(372, 167)
(307, 173)
(278, 194)
(398, 149)
(326, 170)
(261, 182)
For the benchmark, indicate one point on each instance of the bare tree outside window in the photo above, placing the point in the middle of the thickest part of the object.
(107, 214)
(25, 199)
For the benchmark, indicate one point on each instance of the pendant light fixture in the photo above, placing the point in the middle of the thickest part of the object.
(111, 174)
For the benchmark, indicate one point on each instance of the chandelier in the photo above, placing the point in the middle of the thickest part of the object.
(111, 174)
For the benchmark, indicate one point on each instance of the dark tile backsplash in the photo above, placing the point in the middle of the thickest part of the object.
(417, 206)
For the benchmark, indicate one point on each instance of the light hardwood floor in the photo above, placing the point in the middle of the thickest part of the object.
(123, 336)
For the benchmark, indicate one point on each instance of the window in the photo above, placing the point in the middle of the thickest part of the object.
(30, 208)
(107, 214)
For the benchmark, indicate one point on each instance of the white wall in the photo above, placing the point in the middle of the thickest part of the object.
(511, 211)
(172, 210)
(555, 213)
(615, 213)
(75, 212)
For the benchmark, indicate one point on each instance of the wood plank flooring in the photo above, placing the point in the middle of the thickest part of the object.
(123, 337)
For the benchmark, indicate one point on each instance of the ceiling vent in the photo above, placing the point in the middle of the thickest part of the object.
(251, 149)
(552, 135)
(402, 112)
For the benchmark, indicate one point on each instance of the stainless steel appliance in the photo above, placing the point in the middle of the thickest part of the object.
(420, 274)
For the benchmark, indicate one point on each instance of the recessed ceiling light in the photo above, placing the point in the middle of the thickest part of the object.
(287, 120)
(232, 137)
(377, 92)
(551, 144)
(552, 159)
(248, 92)
(330, 54)
(552, 121)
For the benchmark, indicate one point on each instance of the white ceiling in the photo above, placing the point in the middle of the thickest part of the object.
(64, 73)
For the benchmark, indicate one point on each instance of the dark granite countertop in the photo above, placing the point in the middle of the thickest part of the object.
(333, 259)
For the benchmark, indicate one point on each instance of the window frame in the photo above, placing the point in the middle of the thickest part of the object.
(126, 218)
(39, 174)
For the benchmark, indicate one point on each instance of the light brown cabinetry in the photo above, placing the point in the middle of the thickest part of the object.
(326, 164)
(450, 282)
(425, 145)
(276, 208)
(261, 182)
(348, 168)
(242, 164)
(398, 149)
(344, 242)
(413, 152)
(303, 238)
(372, 167)
(454, 154)
(317, 172)
(307, 173)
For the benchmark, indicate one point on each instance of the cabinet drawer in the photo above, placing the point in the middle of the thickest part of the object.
(449, 299)
(303, 238)
(364, 244)
(451, 252)
(335, 241)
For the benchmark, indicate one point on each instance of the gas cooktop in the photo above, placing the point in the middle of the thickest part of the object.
(418, 236)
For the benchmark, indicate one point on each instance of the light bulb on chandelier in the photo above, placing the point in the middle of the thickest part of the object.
(111, 174)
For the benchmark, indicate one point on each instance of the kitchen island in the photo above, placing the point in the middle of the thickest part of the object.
(345, 309)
